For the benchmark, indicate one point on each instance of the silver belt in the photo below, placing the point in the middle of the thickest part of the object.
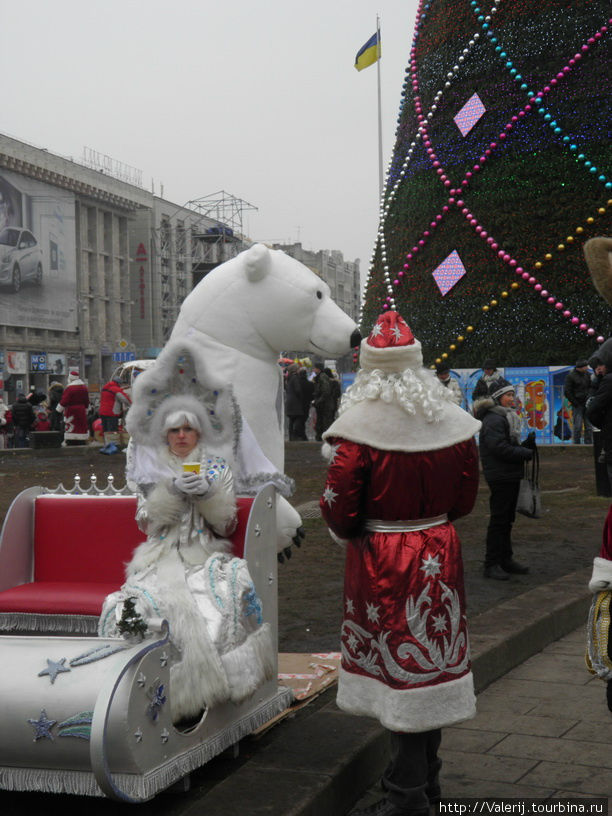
(376, 526)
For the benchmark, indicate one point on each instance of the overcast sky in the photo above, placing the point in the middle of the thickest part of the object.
(259, 99)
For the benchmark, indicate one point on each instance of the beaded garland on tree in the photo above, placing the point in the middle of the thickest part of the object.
(501, 157)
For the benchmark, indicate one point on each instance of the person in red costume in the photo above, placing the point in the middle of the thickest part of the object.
(74, 404)
(403, 465)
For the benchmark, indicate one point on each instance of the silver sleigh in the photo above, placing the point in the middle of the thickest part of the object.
(91, 716)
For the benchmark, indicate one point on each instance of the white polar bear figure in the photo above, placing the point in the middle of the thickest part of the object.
(241, 315)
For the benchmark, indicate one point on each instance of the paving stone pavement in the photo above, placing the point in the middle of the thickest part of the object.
(542, 730)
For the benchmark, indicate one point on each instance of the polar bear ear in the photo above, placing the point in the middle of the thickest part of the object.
(257, 262)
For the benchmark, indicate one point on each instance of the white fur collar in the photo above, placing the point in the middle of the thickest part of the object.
(388, 426)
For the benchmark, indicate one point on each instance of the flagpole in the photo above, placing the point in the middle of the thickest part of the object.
(380, 150)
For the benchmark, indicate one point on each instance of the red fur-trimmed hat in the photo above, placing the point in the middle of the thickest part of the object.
(390, 346)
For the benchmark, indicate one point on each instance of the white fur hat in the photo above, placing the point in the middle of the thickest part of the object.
(390, 346)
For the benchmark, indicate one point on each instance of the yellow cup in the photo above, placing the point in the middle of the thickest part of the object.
(191, 467)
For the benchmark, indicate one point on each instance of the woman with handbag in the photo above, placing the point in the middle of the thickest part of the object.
(503, 457)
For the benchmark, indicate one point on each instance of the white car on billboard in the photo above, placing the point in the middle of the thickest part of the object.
(20, 258)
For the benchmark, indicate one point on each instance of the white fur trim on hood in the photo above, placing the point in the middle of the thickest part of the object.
(601, 579)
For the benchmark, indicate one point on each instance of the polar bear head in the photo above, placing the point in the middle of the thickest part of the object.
(262, 302)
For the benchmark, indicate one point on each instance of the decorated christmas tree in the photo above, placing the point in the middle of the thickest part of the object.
(500, 172)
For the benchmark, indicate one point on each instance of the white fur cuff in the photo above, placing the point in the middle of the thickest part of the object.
(602, 575)
(407, 710)
(341, 542)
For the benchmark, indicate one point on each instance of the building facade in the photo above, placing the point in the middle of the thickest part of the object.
(93, 268)
(173, 249)
(341, 276)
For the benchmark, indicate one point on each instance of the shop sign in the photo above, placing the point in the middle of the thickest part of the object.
(38, 362)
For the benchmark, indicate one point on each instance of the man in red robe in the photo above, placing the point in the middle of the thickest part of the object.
(403, 465)
(74, 404)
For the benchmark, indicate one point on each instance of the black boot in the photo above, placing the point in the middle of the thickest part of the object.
(514, 567)
(496, 572)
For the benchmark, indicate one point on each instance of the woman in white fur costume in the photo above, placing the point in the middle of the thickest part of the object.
(185, 571)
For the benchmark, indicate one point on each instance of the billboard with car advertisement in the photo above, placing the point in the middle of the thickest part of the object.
(38, 286)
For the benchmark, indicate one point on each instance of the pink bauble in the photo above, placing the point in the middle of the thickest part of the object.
(583, 327)
(538, 287)
(525, 275)
(532, 280)
(567, 313)
(575, 321)
(590, 332)
(600, 339)
(550, 300)
(558, 305)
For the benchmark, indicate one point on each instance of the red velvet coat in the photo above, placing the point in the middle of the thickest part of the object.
(74, 404)
(405, 651)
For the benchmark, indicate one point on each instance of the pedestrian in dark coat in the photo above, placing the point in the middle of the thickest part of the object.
(294, 404)
(599, 407)
(23, 419)
(576, 389)
(307, 392)
(503, 458)
(54, 395)
(323, 400)
(336, 389)
(489, 376)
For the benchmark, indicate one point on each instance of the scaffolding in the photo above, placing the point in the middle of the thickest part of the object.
(189, 243)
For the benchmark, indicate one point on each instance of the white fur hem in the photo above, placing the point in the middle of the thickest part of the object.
(249, 665)
(408, 710)
(602, 575)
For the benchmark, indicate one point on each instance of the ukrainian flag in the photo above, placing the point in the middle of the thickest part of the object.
(369, 53)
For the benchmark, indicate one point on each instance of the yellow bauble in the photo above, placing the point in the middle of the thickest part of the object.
(485, 308)
(569, 239)
(601, 210)
(579, 230)
(514, 285)
(504, 294)
(460, 338)
(538, 264)
(444, 356)
(470, 329)
(453, 347)
(548, 256)
(590, 220)
(561, 247)
(438, 359)
(493, 303)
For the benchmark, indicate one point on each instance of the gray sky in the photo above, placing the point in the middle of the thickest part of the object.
(258, 99)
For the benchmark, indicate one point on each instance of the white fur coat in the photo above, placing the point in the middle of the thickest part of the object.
(185, 573)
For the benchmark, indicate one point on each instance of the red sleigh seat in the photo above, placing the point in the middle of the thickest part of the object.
(62, 558)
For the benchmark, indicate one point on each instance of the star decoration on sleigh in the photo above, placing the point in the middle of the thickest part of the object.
(54, 667)
(431, 566)
(42, 726)
(329, 496)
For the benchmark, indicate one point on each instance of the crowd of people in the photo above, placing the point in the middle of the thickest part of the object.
(68, 410)
(317, 395)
